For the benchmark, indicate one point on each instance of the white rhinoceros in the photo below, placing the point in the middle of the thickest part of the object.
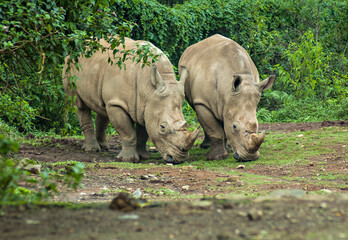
(223, 87)
(139, 102)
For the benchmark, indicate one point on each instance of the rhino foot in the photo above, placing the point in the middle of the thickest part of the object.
(88, 147)
(204, 145)
(128, 156)
(144, 155)
(218, 156)
(104, 145)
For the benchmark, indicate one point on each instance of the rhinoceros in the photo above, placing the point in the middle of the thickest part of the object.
(223, 87)
(140, 102)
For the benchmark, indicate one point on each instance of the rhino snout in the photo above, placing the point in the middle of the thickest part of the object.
(169, 159)
(246, 157)
(236, 156)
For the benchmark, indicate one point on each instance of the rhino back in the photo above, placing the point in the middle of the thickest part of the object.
(212, 63)
(100, 84)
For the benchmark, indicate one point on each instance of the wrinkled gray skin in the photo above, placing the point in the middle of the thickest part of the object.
(139, 102)
(223, 87)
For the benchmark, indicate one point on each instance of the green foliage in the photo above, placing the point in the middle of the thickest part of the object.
(35, 37)
(309, 71)
(277, 106)
(304, 42)
(18, 184)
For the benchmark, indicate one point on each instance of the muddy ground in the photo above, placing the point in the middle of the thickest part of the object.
(184, 201)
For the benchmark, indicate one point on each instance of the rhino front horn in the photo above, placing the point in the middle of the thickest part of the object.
(255, 141)
(191, 138)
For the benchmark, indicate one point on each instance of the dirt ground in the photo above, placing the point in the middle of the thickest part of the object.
(183, 202)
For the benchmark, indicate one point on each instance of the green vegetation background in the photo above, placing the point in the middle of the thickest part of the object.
(304, 42)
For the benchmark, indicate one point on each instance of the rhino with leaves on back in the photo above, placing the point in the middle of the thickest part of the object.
(223, 87)
(140, 102)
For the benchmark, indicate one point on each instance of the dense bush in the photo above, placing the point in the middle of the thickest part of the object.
(303, 42)
(35, 37)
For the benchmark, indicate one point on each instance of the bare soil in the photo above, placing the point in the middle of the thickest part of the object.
(185, 202)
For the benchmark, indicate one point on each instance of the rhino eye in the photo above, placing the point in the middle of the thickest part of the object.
(163, 128)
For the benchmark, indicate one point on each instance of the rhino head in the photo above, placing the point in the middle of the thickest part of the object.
(164, 120)
(240, 122)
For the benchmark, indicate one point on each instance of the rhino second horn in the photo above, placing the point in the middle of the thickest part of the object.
(191, 138)
(255, 141)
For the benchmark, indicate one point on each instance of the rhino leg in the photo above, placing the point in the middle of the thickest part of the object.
(101, 124)
(214, 133)
(206, 142)
(125, 127)
(142, 137)
(86, 123)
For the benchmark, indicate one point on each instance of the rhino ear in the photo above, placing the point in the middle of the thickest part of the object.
(237, 80)
(156, 78)
(266, 84)
(183, 75)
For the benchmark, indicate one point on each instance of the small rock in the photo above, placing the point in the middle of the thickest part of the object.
(137, 193)
(323, 205)
(233, 178)
(203, 204)
(128, 217)
(241, 167)
(300, 135)
(126, 203)
(185, 188)
(311, 164)
(325, 190)
(254, 214)
(144, 177)
(288, 193)
(242, 214)
(130, 180)
(35, 169)
(239, 183)
(187, 168)
(32, 222)
(169, 164)
(154, 180)
(152, 149)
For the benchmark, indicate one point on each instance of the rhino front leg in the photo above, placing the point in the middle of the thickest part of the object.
(214, 133)
(125, 127)
(101, 124)
(142, 137)
(87, 128)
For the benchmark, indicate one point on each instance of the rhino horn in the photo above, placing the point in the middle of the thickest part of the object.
(156, 79)
(191, 138)
(255, 141)
(183, 75)
(180, 125)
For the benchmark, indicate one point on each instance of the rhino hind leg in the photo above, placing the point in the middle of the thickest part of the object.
(102, 123)
(86, 123)
(142, 137)
(214, 133)
(206, 142)
(125, 128)
(217, 150)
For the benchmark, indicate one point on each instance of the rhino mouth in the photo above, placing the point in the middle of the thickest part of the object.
(175, 156)
(245, 156)
(242, 155)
